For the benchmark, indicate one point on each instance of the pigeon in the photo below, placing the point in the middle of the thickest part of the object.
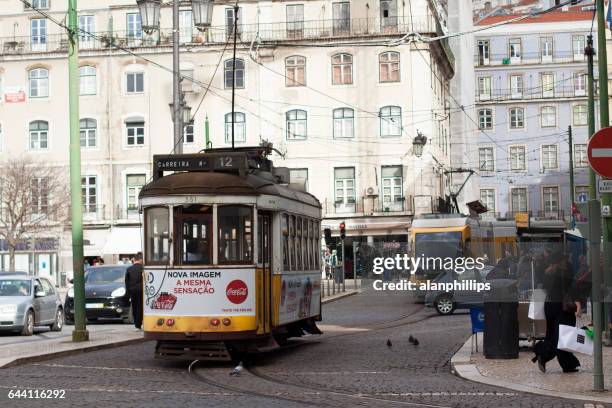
(389, 343)
(237, 370)
(411, 339)
(415, 342)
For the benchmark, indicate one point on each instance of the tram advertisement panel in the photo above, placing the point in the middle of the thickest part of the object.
(300, 297)
(214, 292)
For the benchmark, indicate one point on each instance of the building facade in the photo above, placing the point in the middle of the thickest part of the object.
(531, 87)
(335, 86)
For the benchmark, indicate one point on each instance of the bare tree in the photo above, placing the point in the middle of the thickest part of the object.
(34, 198)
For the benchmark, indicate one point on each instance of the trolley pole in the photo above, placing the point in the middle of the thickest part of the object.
(80, 331)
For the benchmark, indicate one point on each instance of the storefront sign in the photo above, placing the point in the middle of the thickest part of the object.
(38, 244)
(14, 95)
(522, 220)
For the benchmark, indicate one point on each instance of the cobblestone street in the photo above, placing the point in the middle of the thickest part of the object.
(350, 365)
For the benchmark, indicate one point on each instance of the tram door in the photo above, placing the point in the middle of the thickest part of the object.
(264, 221)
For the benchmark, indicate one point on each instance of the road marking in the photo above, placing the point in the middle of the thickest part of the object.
(600, 152)
(149, 370)
(326, 372)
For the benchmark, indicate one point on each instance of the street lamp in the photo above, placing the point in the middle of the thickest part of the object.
(149, 14)
(186, 113)
(202, 13)
(418, 144)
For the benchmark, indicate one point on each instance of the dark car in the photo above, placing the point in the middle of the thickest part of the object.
(105, 295)
(446, 303)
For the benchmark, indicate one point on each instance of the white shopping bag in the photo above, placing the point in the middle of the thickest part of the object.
(536, 305)
(574, 340)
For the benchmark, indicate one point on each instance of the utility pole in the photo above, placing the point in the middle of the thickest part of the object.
(589, 51)
(236, 9)
(571, 165)
(80, 331)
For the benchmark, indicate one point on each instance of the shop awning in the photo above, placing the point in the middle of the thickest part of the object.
(94, 241)
(123, 240)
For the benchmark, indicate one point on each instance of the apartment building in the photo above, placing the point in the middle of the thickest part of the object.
(531, 86)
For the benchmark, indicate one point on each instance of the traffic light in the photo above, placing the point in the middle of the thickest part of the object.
(342, 230)
(328, 237)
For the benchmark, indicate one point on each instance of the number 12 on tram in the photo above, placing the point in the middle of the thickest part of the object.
(231, 255)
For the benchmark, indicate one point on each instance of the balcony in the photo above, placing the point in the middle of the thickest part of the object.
(369, 206)
(94, 214)
(128, 215)
(529, 59)
(531, 93)
(283, 31)
(551, 215)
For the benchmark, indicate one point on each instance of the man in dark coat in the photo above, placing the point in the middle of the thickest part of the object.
(133, 285)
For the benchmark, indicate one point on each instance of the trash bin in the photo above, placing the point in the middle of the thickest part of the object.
(501, 329)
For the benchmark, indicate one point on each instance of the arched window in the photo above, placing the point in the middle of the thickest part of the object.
(39, 135)
(344, 126)
(239, 73)
(135, 131)
(38, 79)
(295, 71)
(296, 124)
(390, 121)
(239, 127)
(342, 69)
(87, 80)
(88, 128)
(389, 66)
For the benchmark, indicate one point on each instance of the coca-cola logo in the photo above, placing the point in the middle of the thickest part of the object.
(237, 291)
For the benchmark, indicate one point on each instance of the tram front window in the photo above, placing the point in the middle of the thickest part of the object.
(157, 231)
(235, 234)
(438, 246)
(195, 234)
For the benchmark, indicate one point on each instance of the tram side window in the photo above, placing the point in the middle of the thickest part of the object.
(311, 261)
(292, 242)
(305, 246)
(235, 234)
(285, 233)
(157, 230)
(194, 223)
(298, 243)
(317, 244)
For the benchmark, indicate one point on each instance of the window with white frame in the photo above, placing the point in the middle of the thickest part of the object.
(295, 71)
(38, 30)
(344, 123)
(485, 119)
(548, 116)
(551, 199)
(40, 195)
(88, 132)
(342, 69)
(390, 121)
(38, 79)
(135, 132)
(341, 17)
(186, 26)
(389, 67)
(546, 49)
(344, 182)
(134, 28)
(550, 157)
(582, 193)
(578, 45)
(484, 88)
(296, 123)
(134, 82)
(86, 30)
(484, 52)
(37, 4)
(188, 133)
(580, 155)
(239, 70)
(516, 86)
(517, 158)
(517, 118)
(580, 83)
(392, 184)
(295, 20)
(39, 135)
(486, 160)
(230, 19)
(134, 183)
(89, 194)
(299, 176)
(87, 80)
(239, 127)
(547, 82)
(487, 198)
(514, 50)
(580, 115)
(518, 199)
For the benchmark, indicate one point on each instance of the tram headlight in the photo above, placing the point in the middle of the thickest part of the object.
(214, 322)
(227, 322)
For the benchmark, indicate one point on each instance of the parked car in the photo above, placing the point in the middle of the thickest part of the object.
(27, 302)
(105, 295)
(446, 303)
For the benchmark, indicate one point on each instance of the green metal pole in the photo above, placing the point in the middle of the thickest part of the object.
(80, 331)
(207, 133)
(571, 166)
(590, 52)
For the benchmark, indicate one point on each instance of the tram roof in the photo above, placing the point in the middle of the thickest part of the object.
(217, 183)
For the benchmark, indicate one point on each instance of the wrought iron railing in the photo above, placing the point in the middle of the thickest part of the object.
(531, 93)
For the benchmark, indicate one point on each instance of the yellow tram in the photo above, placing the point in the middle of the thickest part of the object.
(231, 254)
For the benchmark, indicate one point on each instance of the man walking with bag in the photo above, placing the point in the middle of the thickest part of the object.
(133, 284)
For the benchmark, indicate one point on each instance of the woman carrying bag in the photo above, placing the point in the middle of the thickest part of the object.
(559, 308)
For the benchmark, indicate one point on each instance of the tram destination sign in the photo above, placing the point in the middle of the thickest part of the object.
(199, 162)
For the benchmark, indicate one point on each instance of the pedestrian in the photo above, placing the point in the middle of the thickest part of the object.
(559, 308)
(133, 284)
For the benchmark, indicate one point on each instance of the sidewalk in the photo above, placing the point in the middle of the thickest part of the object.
(327, 287)
(523, 375)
